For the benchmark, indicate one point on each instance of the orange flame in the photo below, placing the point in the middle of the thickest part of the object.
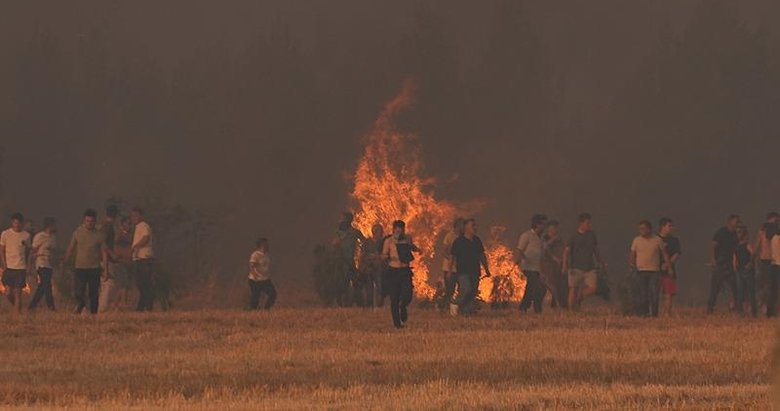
(507, 283)
(388, 187)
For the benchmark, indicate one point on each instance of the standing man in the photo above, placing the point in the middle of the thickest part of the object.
(143, 259)
(763, 251)
(555, 281)
(580, 259)
(260, 276)
(348, 239)
(14, 248)
(724, 244)
(449, 268)
(109, 229)
(648, 257)
(397, 251)
(674, 251)
(469, 254)
(43, 246)
(372, 266)
(88, 244)
(530, 248)
(774, 278)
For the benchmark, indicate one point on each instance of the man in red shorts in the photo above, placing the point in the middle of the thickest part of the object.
(669, 280)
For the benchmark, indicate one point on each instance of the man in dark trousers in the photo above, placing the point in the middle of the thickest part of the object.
(469, 256)
(260, 276)
(397, 252)
(88, 244)
(724, 244)
(530, 248)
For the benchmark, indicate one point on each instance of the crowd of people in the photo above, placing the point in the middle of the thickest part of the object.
(105, 258)
(567, 271)
(108, 257)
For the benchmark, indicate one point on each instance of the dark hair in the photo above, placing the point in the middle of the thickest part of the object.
(49, 222)
(732, 217)
(553, 223)
(646, 223)
(90, 213)
(538, 219)
(469, 220)
(772, 214)
(17, 217)
(112, 211)
(262, 242)
(399, 224)
(138, 210)
(584, 217)
(664, 221)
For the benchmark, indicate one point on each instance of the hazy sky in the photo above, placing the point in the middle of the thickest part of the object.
(255, 110)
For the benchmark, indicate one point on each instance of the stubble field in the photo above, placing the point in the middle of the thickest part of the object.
(352, 359)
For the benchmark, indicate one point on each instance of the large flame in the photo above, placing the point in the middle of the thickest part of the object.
(388, 187)
(507, 283)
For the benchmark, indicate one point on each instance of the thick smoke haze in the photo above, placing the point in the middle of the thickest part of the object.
(254, 111)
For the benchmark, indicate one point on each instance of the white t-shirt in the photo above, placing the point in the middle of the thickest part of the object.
(16, 245)
(142, 230)
(532, 247)
(649, 252)
(259, 266)
(46, 244)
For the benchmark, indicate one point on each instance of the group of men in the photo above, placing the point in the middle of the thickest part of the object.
(106, 257)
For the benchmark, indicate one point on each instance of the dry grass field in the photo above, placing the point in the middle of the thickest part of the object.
(352, 359)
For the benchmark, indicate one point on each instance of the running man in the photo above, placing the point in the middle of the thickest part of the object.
(581, 257)
(397, 284)
(43, 246)
(14, 249)
(260, 276)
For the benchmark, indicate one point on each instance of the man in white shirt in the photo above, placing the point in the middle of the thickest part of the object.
(648, 251)
(530, 248)
(143, 260)
(43, 247)
(260, 276)
(14, 246)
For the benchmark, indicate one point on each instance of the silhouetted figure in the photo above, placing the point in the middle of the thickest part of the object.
(43, 246)
(580, 259)
(554, 279)
(348, 239)
(88, 245)
(674, 251)
(372, 267)
(774, 278)
(724, 244)
(260, 276)
(469, 254)
(763, 251)
(14, 249)
(397, 284)
(530, 248)
(744, 266)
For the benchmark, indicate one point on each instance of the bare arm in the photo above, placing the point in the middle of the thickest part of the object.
(632, 259)
(69, 251)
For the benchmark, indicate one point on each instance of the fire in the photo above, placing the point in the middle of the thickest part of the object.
(507, 283)
(388, 187)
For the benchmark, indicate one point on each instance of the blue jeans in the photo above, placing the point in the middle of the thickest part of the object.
(467, 291)
(534, 292)
(44, 289)
(723, 272)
